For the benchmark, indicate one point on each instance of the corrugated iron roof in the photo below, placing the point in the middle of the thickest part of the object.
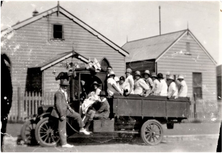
(151, 47)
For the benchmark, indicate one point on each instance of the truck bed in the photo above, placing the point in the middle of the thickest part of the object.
(151, 106)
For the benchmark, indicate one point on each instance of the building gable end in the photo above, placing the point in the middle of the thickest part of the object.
(169, 47)
(202, 47)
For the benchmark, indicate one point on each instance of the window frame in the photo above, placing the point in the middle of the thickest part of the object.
(198, 86)
(188, 47)
(52, 33)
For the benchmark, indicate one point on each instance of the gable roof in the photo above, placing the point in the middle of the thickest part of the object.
(155, 47)
(59, 58)
(151, 47)
(71, 17)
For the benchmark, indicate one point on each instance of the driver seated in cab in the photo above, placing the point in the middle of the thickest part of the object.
(99, 110)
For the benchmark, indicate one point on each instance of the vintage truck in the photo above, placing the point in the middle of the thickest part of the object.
(133, 114)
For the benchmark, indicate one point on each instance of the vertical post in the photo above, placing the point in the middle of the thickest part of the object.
(160, 20)
(19, 101)
(194, 106)
(79, 93)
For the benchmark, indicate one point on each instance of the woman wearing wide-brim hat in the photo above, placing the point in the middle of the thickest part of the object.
(147, 78)
(112, 86)
(140, 86)
(163, 85)
(172, 89)
(129, 82)
(156, 85)
(96, 88)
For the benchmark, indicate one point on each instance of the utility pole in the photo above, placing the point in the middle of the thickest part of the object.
(159, 20)
(58, 8)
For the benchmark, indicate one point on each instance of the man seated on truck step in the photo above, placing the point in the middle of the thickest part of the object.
(102, 112)
(140, 86)
(112, 86)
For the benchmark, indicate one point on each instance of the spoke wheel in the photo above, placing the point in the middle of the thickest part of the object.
(152, 132)
(46, 132)
(28, 132)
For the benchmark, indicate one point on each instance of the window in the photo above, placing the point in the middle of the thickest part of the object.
(57, 31)
(197, 84)
(188, 47)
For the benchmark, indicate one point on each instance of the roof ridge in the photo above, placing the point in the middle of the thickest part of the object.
(155, 36)
(29, 18)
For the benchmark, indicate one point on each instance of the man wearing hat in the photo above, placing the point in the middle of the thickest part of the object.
(102, 112)
(140, 86)
(112, 86)
(62, 109)
(163, 85)
(156, 85)
(172, 89)
(148, 79)
(129, 82)
(183, 87)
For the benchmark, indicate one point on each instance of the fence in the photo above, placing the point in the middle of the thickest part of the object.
(26, 104)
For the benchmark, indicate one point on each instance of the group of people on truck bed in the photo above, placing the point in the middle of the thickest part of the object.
(148, 84)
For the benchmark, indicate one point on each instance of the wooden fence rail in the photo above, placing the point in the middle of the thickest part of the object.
(26, 104)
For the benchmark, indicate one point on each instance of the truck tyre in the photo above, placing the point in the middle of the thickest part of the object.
(28, 132)
(151, 132)
(46, 132)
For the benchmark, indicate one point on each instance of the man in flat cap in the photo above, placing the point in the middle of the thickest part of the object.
(62, 109)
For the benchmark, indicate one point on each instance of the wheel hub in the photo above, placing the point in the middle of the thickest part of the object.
(50, 132)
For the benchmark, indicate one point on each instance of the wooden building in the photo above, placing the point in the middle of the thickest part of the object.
(40, 46)
(176, 53)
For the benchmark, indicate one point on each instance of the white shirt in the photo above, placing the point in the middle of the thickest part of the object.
(183, 89)
(65, 93)
(110, 89)
(163, 88)
(149, 81)
(139, 86)
(156, 87)
(129, 80)
(172, 90)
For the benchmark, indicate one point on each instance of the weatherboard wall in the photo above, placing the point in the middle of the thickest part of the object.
(32, 45)
(178, 61)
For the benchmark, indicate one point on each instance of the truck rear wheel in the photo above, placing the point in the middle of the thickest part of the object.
(152, 132)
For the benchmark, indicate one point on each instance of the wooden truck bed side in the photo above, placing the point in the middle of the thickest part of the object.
(152, 106)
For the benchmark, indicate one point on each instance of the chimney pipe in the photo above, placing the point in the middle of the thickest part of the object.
(34, 13)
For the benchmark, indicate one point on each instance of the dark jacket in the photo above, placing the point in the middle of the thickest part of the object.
(6, 84)
(104, 109)
(60, 105)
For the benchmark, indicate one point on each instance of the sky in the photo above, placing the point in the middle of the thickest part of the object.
(120, 21)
